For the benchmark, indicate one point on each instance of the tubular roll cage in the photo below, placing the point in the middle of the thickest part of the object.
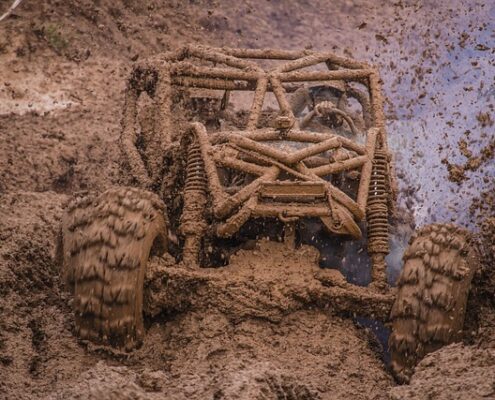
(312, 185)
(238, 72)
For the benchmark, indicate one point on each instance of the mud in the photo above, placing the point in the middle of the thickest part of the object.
(269, 282)
(206, 356)
(457, 172)
(240, 345)
(64, 65)
(455, 372)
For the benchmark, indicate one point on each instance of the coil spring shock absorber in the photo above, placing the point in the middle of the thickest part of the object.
(377, 218)
(193, 223)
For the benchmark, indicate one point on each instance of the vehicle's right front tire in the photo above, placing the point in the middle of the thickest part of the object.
(106, 243)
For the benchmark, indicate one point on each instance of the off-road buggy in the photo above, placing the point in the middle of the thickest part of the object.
(207, 177)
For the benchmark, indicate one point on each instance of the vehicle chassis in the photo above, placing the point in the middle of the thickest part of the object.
(311, 195)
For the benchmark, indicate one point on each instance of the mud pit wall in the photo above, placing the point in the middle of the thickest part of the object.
(63, 71)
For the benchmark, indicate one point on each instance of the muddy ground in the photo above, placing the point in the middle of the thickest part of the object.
(63, 68)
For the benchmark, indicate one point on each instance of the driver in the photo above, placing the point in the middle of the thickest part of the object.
(328, 112)
(327, 105)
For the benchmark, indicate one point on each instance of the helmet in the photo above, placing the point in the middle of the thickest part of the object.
(330, 91)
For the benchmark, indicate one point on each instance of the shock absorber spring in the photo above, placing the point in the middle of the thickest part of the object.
(377, 217)
(193, 223)
(195, 170)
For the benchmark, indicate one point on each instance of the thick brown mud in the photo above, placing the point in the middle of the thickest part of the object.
(64, 65)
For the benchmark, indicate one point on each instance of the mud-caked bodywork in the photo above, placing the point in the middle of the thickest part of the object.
(226, 148)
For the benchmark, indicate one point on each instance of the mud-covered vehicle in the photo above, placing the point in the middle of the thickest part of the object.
(223, 147)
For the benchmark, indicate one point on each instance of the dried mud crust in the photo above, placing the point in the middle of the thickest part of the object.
(106, 244)
(433, 288)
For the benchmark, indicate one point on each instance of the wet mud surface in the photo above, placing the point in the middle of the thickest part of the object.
(455, 371)
(61, 92)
